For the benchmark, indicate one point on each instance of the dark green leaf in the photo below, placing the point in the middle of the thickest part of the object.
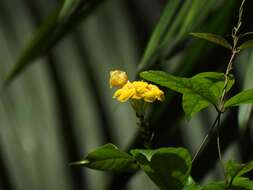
(246, 45)
(214, 38)
(169, 168)
(244, 97)
(109, 158)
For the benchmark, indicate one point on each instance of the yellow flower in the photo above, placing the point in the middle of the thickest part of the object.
(125, 93)
(153, 93)
(118, 78)
(139, 90)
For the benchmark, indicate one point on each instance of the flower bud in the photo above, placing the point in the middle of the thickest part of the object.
(118, 78)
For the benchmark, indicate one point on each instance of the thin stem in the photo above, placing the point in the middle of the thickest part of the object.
(235, 51)
(202, 145)
(246, 34)
(219, 152)
(226, 75)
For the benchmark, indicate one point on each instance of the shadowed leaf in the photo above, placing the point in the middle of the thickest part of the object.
(108, 158)
(169, 168)
(246, 45)
(214, 38)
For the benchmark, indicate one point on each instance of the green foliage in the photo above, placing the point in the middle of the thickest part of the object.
(191, 185)
(169, 168)
(220, 185)
(62, 20)
(244, 97)
(241, 183)
(198, 91)
(159, 33)
(246, 45)
(109, 158)
(171, 30)
(235, 170)
(214, 38)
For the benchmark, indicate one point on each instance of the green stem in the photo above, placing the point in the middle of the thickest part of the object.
(219, 152)
(202, 145)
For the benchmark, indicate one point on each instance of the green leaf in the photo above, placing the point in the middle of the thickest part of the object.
(193, 103)
(217, 185)
(242, 183)
(218, 80)
(239, 184)
(169, 168)
(159, 32)
(181, 84)
(109, 158)
(234, 169)
(214, 38)
(244, 97)
(191, 185)
(246, 45)
(198, 91)
(62, 20)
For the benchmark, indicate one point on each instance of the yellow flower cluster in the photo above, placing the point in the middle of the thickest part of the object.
(136, 90)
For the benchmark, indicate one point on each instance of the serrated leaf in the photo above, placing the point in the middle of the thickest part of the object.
(214, 38)
(244, 97)
(246, 45)
(109, 158)
(169, 168)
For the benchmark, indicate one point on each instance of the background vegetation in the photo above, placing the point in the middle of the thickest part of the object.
(56, 104)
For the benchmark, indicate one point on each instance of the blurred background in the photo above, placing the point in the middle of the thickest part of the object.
(57, 105)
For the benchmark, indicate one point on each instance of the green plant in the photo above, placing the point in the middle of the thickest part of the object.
(170, 168)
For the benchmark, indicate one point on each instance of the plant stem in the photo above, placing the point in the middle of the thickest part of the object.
(206, 137)
(219, 152)
(221, 109)
(146, 131)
